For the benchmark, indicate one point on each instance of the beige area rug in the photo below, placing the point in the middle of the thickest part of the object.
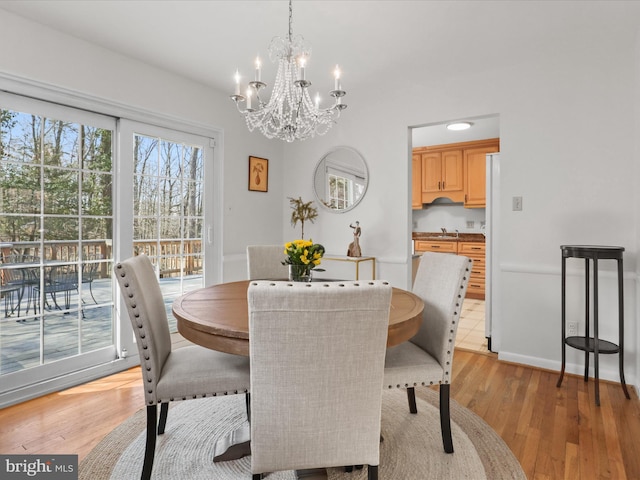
(412, 446)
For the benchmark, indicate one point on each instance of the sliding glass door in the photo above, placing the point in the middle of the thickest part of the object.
(56, 234)
(168, 212)
(78, 192)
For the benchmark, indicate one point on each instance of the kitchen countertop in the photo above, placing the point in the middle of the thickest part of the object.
(450, 237)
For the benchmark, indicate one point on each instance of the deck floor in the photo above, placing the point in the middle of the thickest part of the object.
(68, 326)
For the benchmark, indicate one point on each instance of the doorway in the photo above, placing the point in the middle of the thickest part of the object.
(477, 328)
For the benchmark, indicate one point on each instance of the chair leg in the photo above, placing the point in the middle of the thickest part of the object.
(164, 410)
(91, 292)
(411, 397)
(373, 472)
(247, 398)
(445, 418)
(257, 476)
(150, 450)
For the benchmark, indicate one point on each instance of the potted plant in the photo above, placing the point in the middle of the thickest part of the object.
(302, 212)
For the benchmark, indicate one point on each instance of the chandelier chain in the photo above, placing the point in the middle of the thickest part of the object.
(290, 21)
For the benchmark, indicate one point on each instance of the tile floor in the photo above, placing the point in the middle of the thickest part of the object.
(471, 328)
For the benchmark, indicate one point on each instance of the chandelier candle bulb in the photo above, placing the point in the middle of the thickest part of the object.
(249, 98)
(317, 100)
(258, 65)
(336, 74)
(237, 78)
(302, 63)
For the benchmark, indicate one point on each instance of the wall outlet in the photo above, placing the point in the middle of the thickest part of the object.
(471, 224)
(572, 329)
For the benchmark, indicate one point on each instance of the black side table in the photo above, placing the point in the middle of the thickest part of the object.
(589, 343)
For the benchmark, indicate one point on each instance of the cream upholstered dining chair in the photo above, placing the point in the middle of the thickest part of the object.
(185, 373)
(426, 359)
(317, 358)
(264, 262)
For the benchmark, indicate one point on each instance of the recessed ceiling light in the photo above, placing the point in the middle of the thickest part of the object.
(459, 126)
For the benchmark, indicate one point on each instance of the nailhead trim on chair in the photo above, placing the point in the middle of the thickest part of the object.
(449, 352)
(147, 366)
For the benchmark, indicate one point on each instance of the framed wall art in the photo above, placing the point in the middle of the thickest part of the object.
(258, 174)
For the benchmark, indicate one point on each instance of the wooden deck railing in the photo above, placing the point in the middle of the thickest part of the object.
(168, 253)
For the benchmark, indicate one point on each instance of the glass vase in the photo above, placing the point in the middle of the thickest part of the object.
(299, 273)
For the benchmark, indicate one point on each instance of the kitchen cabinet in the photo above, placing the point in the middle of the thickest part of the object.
(442, 176)
(456, 171)
(416, 181)
(435, 246)
(475, 169)
(476, 251)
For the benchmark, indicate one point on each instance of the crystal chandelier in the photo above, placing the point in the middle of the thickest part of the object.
(290, 114)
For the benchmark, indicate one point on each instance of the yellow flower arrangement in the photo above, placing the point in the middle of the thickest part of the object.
(305, 254)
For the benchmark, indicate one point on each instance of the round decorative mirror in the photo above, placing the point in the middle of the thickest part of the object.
(340, 179)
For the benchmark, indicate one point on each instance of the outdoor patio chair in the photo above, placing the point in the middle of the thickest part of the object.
(90, 266)
(11, 289)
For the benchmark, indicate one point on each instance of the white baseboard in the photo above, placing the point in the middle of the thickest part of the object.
(609, 374)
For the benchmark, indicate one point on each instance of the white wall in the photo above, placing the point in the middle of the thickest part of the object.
(46, 56)
(568, 147)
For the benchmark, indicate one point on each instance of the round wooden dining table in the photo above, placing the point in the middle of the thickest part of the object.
(217, 317)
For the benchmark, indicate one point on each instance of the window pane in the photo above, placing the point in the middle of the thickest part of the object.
(60, 191)
(145, 228)
(192, 228)
(193, 163)
(97, 229)
(20, 135)
(145, 155)
(60, 143)
(145, 200)
(171, 160)
(18, 228)
(96, 149)
(192, 202)
(170, 228)
(20, 188)
(96, 193)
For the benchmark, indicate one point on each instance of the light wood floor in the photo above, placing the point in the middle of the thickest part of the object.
(556, 433)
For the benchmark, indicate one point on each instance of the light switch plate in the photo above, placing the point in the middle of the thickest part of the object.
(517, 204)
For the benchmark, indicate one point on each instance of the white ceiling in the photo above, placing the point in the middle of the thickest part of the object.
(481, 128)
(375, 42)
(393, 44)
